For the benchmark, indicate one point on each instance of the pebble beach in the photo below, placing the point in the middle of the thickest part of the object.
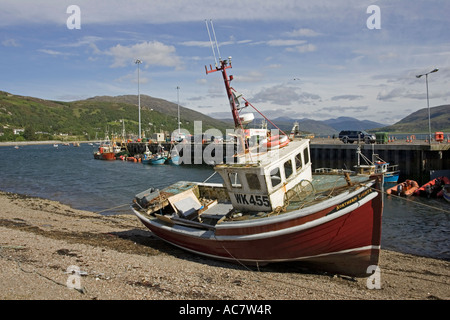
(50, 251)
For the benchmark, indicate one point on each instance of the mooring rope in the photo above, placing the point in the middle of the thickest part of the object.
(112, 208)
(411, 201)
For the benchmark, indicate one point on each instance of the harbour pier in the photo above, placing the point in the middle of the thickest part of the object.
(414, 160)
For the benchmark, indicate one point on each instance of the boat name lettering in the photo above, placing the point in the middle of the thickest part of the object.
(256, 200)
(352, 200)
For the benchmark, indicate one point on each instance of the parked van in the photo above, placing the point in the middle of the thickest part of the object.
(349, 136)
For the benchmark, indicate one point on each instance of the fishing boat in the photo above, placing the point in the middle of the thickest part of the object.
(146, 156)
(174, 160)
(107, 150)
(432, 188)
(405, 189)
(390, 171)
(174, 156)
(270, 208)
(159, 157)
(377, 165)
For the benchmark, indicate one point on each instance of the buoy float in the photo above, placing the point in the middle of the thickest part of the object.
(278, 141)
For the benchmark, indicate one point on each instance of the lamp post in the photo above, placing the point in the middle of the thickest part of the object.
(138, 62)
(428, 100)
(178, 102)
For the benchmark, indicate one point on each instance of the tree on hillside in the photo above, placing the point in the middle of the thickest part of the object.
(29, 133)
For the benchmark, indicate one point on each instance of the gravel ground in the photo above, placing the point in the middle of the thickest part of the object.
(49, 251)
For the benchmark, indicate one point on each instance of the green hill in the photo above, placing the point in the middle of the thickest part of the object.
(86, 119)
(417, 122)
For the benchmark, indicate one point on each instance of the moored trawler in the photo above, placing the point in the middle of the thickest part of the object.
(107, 150)
(270, 207)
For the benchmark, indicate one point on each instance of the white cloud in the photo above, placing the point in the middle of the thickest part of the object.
(303, 32)
(151, 53)
(10, 43)
(285, 95)
(391, 94)
(196, 43)
(304, 48)
(53, 52)
(281, 42)
(347, 97)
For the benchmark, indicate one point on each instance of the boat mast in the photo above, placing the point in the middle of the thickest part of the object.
(223, 66)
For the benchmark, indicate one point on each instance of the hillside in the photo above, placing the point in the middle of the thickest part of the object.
(417, 122)
(90, 118)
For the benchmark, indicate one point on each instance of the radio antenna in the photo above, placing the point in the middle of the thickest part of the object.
(215, 39)
(210, 40)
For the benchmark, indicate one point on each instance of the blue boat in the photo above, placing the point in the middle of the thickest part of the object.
(146, 156)
(391, 175)
(377, 165)
(158, 159)
(174, 156)
(175, 160)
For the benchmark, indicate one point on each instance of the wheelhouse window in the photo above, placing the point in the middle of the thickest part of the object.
(306, 155)
(298, 162)
(288, 169)
(234, 180)
(253, 181)
(275, 177)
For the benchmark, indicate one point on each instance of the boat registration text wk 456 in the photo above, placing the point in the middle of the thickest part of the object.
(352, 200)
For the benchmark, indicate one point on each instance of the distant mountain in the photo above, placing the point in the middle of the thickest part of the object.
(327, 127)
(46, 120)
(417, 122)
(348, 123)
(313, 126)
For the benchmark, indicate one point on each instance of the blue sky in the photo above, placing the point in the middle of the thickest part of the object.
(303, 59)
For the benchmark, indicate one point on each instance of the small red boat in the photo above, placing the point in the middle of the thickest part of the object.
(432, 188)
(405, 189)
(107, 150)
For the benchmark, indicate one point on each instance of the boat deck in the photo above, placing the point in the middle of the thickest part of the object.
(216, 208)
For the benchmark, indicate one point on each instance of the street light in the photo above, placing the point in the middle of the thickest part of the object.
(138, 62)
(178, 102)
(428, 100)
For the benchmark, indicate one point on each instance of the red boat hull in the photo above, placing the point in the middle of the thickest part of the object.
(108, 156)
(347, 244)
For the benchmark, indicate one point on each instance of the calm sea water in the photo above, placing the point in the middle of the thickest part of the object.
(72, 176)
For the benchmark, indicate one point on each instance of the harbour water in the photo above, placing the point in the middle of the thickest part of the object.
(72, 176)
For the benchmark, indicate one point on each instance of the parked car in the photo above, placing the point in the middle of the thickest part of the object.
(350, 136)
